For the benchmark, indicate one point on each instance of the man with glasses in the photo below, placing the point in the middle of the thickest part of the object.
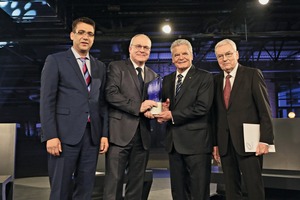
(128, 127)
(74, 115)
(240, 97)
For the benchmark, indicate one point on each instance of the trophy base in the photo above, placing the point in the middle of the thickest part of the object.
(156, 110)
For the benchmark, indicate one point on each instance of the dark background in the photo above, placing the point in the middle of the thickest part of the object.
(267, 37)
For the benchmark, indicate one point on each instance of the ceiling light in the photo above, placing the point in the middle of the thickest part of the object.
(166, 28)
(263, 2)
(31, 14)
(2, 44)
(27, 6)
(16, 13)
(3, 4)
(13, 5)
(292, 115)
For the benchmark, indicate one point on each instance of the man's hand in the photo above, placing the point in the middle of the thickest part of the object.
(216, 154)
(54, 147)
(147, 105)
(149, 115)
(164, 116)
(166, 105)
(103, 145)
(262, 148)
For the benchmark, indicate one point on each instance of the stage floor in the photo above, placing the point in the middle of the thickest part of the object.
(37, 188)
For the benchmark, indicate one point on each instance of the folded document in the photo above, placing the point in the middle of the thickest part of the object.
(251, 137)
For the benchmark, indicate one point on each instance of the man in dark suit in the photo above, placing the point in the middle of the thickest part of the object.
(128, 127)
(74, 114)
(188, 96)
(247, 102)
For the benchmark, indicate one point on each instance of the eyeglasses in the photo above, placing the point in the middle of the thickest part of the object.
(227, 55)
(140, 47)
(81, 33)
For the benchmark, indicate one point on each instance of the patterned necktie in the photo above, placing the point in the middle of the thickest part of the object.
(227, 90)
(139, 69)
(178, 84)
(86, 74)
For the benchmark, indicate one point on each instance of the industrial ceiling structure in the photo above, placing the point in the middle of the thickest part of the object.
(267, 36)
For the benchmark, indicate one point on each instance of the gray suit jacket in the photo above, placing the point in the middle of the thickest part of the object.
(191, 131)
(125, 99)
(65, 102)
(248, 103)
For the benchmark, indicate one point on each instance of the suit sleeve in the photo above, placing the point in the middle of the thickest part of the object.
(213, 115)
(262, 102)
(103, 104)
(49, 85)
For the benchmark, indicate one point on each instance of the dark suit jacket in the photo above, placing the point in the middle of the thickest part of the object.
(190, 133)
(248, 103)
(66, 103)
(125, 99)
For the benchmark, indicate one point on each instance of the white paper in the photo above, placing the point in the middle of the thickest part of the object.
(251, 137)
(156, 110)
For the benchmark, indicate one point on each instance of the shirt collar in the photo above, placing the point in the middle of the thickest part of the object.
(136, 66)
(77, 56)
(183, 73)
(233, 72)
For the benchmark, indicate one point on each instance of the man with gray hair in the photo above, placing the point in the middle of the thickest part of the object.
(187, 95)
(240, 97)
(129, 127)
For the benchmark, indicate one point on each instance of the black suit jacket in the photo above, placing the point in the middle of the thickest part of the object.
(65, 102)
(248, 103)
(125, 98)
(190, 133)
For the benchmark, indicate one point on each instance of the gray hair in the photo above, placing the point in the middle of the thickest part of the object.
(132, 39)
(224, 42)
(180, 42)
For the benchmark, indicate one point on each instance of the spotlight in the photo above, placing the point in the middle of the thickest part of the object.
(2, 44)
(291, 115)
(263, 2)
(3, 4)
(166, 28)
(16, 13)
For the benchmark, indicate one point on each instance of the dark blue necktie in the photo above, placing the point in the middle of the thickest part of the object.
(139, 69)
(179, 83)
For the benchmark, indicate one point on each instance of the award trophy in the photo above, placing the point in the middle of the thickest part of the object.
(154, 93)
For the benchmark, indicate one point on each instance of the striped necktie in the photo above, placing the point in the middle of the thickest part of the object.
(179, 83)
(86, 74)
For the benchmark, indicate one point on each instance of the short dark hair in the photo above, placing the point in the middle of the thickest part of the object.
(83, 20)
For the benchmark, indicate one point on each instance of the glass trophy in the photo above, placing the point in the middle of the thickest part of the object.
(154, 93)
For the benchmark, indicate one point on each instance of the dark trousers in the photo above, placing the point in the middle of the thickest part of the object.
(72, 174)
(251, 168)
(132, 160)
(190, 176)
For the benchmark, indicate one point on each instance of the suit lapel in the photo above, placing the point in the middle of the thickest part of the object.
(147, 77)
(133, 74)
(171, 93)
(95, 76)
(220, 82)
(71, 58)
(237, 82)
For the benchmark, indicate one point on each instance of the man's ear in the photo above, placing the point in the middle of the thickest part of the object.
(72, 36)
